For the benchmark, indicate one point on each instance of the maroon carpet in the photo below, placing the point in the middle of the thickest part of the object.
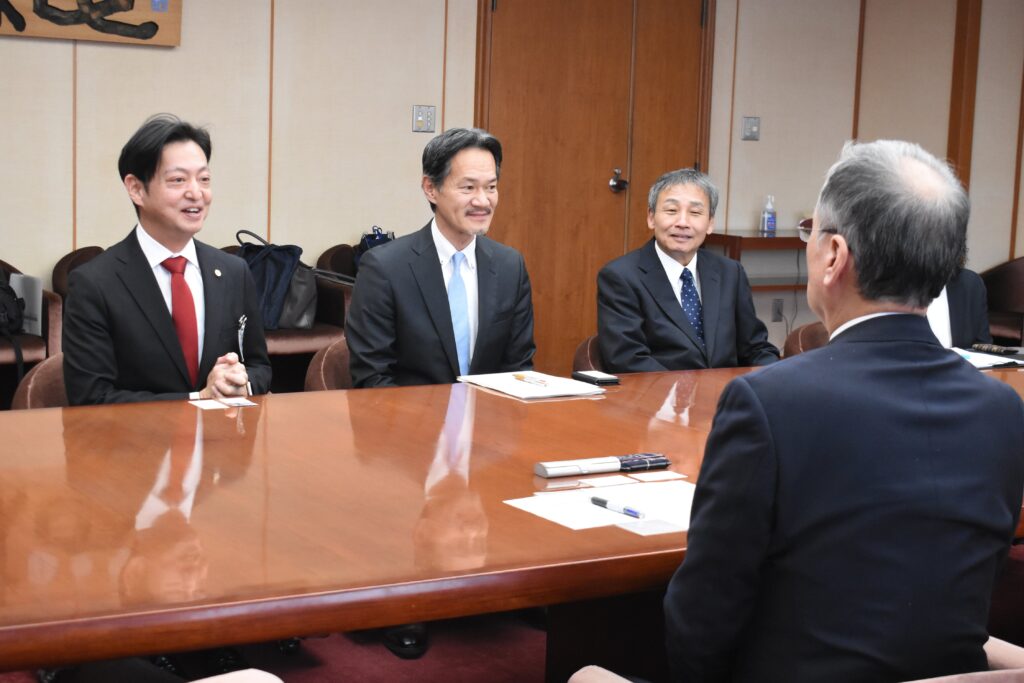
(495, 648)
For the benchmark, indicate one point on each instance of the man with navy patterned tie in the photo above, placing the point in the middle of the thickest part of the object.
(665, 306)
(444, 301)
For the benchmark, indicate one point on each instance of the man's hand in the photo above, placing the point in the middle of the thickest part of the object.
(227, 378)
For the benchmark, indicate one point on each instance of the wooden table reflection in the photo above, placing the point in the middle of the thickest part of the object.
(316, 513)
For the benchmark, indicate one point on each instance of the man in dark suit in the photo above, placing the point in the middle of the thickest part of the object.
(160, 315)
(959, 315)
(446, 300)
(855, 501)
(665, 306)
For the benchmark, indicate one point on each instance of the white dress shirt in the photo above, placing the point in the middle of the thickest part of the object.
(674, 271)
(938, 318)
(445, 252)
(155, 254)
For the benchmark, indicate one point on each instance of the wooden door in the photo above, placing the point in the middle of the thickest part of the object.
(575, 89)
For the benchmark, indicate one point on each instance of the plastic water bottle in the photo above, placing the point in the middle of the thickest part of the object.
(768, 217)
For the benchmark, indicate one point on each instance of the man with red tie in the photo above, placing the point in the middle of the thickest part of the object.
(161, 315)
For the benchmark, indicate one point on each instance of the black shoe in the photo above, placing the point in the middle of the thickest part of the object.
(224, 660)
(408, 641)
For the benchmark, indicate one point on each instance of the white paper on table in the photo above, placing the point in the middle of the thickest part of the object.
(31, 290)
(528, 384)
(236, 401)
(986, 360)
(668, 501)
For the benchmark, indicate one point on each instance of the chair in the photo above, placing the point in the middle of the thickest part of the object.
(35, 348)
(329, 368)
(42, 386)
(805, 338)
(588, 355)
(68, 263)
(341, 258)
(1005, 287)
(1005, 662)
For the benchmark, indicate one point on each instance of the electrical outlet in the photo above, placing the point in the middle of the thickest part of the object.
(777, 310)
(423, 118)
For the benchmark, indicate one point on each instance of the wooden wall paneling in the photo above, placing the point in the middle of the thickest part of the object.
(557, 98)
(964, 86)
(1015, 212)
(668, 85)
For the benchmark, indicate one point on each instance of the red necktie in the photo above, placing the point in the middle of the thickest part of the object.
(183, 312)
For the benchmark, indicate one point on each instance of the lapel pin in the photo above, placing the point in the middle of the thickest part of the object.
(216, 271)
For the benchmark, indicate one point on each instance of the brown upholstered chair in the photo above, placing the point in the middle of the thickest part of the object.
(341, 258)
(35, 348)
(1005, 287)
(68, 263)
(42, 386)
(329, 368)
(588, 355)
(805, 338)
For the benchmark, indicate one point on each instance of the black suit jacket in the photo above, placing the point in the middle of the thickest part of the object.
(641, 326)
(853, 507)
(968, 309)
(399, 327)
(119, 339)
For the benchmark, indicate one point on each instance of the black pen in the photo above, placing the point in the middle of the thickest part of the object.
(615, 507)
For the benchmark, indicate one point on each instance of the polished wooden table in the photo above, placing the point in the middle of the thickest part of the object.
(315, 513)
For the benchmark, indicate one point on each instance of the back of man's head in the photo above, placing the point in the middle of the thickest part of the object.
(904, 216)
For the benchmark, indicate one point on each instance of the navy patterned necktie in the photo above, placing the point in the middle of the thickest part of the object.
(691, 304)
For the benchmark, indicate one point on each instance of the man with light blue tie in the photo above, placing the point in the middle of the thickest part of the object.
(668, 306)
(444, 301)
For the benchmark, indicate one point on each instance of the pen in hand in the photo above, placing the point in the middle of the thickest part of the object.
(615, 507)
(241, 348)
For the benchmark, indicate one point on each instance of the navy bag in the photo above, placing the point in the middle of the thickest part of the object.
(287, 287)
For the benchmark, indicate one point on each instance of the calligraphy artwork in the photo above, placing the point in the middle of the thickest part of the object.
(144, 22)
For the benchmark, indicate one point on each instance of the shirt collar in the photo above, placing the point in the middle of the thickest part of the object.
(674, 268)
(857, 321)
(156, 253)
(445, 249)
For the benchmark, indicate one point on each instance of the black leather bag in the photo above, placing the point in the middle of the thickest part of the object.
(287, 286)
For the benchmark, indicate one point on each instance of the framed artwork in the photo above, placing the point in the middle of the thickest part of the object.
(141, 22)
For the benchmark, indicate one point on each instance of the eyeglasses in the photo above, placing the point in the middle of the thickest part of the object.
(805, 228)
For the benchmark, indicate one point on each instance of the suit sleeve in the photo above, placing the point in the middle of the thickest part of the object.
(711, 598)
(752, 345)
(520, 348)
(257, 362)
(620, 322)
(90, 363)
(370, 326)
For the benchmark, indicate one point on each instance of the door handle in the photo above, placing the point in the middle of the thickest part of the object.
(617, 182)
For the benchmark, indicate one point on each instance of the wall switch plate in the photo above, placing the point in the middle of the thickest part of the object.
(423, 118)
(751, 128)
(777, 310)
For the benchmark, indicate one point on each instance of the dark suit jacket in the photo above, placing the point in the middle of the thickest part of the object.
(642, 328)
(399, 327)
(968, 309)
(852, 510)
(119, 339)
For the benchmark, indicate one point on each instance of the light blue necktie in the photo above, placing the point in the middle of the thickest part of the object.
(460, 312)
(691, 305)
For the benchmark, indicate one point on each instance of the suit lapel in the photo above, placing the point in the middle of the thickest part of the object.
(487, 294)
(426, 269)
(656, 282)
(710, 276)
(215, 300)
(137, 277)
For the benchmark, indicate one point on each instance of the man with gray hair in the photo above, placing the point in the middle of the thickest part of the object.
(446, 300)
(855, 501)
(666, 307)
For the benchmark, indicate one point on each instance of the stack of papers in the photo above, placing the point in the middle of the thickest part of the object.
(529, 384)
